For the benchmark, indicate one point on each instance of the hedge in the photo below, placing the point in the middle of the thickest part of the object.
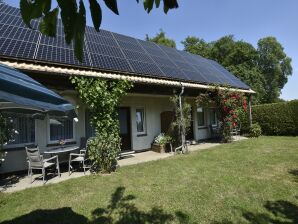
(275, 119)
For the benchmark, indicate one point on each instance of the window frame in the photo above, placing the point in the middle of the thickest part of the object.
(19, 145)
(57, 141)
(144, 121)
(204, 117)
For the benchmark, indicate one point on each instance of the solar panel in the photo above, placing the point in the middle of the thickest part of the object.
(146, 68)
(107, 51)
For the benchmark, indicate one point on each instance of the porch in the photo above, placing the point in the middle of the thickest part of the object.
(20, 181)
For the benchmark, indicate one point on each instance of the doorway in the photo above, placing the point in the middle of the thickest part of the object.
(125, 129)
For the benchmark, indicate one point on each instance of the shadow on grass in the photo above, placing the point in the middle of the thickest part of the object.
(120, 210)
(294, 172)
(278, 212)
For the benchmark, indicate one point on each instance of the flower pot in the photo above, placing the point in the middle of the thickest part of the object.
(158, 148)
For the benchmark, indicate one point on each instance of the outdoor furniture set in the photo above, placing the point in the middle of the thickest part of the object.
(36, 161)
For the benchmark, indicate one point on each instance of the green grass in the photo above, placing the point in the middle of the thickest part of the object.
(253, 181)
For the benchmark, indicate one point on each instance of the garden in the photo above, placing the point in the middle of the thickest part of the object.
(251, 181)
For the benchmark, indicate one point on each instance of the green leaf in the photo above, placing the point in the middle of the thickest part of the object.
(68, 15)
(80, 25)
(170, 4)
(96, 14)
(157, 3)
(112, 4)
(48, 25)
(26, 8)
(148, 5)
(46, 6)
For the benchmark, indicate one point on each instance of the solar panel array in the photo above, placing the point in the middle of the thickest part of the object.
(108, 51)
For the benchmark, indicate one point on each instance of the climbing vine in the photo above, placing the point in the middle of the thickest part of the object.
(102, 97)
(180, 125)
(229, 105)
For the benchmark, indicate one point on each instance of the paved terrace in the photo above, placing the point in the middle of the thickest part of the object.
(15, 183)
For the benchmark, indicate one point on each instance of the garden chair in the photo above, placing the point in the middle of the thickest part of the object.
(81, 158)
(37, 162)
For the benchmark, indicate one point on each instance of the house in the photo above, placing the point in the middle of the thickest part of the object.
(157, 72)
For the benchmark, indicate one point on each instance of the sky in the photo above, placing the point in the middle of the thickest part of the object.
(247, 20)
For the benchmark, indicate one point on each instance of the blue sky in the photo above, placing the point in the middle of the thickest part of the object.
(248, 20)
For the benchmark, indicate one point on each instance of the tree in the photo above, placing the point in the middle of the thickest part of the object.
(161, 39)
(274, 65)
(197, 46)
(248, 63)
(73, 17)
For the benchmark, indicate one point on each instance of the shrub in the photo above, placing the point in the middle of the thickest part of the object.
(255, 130)
(102, 97)
(275, 119)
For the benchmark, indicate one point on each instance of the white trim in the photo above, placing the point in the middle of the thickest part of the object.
(49, 141)
(109, 75)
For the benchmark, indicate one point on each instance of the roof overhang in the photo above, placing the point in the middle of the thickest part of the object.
(109, 75)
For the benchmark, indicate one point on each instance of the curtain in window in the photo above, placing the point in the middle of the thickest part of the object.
(140, 120)
(25, 128)
(61, 129)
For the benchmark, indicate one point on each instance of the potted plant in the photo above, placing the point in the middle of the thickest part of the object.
(160, 142)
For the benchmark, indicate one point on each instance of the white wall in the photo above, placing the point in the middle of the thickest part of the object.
(154, 106)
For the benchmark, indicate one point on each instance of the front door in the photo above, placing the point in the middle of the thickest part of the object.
(125, 130)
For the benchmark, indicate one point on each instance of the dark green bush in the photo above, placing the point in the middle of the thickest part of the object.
(255, 130)
(274, 119)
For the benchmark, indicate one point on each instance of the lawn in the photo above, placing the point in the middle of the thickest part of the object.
(253, 181)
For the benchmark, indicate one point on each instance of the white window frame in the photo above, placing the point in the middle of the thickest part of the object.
(57, 141)
(204, 113)
(144, 121)
(11, 146)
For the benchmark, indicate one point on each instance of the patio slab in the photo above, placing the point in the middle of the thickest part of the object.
(15, 183)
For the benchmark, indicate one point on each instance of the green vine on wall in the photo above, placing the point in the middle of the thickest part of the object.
(179, 123)
(102, 97)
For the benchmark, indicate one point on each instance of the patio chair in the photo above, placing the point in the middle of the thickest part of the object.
(37, 162)
(81, 157)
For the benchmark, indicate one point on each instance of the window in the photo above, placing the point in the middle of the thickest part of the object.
(140, 120)
(213, 117)
(25, 130)
(201, 116)
(61, 129)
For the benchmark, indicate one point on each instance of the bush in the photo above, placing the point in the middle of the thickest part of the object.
(255, 130)
(275, 118)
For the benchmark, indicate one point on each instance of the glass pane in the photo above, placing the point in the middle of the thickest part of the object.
(25, 130)
(140, 120)
(61, 129)
(213, 117)
(123, 121)
(201, 119)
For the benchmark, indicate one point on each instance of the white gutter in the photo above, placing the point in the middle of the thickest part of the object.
(108, 75)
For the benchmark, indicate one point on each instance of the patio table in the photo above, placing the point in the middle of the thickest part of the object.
(61, 149)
